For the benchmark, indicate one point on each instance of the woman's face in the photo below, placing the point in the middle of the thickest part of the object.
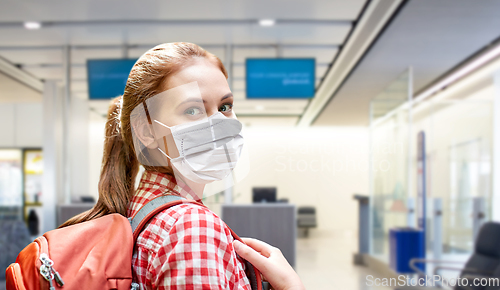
(196, 91)
(187, 105)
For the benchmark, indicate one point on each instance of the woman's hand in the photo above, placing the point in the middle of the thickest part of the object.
(270, 262)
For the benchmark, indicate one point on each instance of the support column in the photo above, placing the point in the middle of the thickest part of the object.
(125, 51)
(79, 149)
(279, 51)
(67, 124)
(495, 207)
(52, 145)
(228, 63)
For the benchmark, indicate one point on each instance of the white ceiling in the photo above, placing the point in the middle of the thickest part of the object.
(60, 10)
(431, 36)
(100, 29)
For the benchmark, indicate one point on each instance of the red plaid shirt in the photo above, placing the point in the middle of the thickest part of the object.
(184, 247)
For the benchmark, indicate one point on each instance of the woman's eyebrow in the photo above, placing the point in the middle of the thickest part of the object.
(228, 95)
(194, 99)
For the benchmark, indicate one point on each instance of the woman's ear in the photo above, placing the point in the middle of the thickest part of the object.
(141, 129)
(148, 137)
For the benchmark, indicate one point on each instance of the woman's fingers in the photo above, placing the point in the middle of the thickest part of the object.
(249, 254)
(264, 248)
(270, 262)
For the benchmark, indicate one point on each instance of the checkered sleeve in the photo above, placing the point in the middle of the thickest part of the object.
(198, 254)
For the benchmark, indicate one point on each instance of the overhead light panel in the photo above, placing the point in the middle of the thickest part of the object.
(32, 25)
(267, 22)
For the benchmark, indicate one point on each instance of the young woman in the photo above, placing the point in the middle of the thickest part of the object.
(178, 86)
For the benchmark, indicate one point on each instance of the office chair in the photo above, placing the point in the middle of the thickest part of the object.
(306, 218)
(483, 263)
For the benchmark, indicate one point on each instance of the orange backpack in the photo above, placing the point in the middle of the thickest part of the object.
(92, 254)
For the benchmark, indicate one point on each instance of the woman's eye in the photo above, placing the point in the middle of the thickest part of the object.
(226, 108)
(192, 111)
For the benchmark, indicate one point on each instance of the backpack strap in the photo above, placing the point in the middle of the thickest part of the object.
(150, 209)
(160, 203)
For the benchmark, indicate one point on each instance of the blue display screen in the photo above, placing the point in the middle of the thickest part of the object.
(107, 77)
(280, 78)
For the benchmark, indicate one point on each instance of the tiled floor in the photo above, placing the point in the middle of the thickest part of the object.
(324, 261)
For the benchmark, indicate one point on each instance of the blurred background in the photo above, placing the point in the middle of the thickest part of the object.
(372, 126)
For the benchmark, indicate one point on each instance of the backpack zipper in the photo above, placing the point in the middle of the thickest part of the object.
(48, 272)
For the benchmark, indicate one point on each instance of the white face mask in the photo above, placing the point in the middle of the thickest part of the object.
(208, 149)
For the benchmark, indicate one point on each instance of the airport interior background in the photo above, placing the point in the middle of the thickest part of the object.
(366, 122)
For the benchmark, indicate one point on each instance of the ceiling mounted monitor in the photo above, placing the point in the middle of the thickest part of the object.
(107, 77)
(280, 78)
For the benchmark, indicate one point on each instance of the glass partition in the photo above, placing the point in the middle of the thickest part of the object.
(389, 168)
(459, 127)
(459, 164)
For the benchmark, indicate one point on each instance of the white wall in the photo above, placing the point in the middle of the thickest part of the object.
(322, 167)
(21, 125)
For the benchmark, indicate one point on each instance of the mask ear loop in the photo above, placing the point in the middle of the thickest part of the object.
(154, 134)
(170, 158)
(166, 155)
(164, 142)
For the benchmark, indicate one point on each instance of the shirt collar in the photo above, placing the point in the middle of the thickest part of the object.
(166, 183)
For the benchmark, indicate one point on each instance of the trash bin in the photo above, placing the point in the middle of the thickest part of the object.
(404, 245)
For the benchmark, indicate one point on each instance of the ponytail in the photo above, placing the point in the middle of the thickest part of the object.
(118, 171)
